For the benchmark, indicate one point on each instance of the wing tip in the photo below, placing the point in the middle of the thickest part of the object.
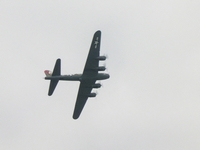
(75, 117)
(58, 60)
(98, 32)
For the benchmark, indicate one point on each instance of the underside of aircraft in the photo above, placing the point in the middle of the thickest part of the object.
(87, 79)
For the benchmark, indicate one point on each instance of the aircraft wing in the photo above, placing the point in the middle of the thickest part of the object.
(83, 94)
(89, 73)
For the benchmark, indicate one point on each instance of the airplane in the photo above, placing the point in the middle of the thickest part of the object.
(87, 79)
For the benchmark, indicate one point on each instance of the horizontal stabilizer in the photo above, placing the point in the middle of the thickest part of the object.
(56, 72)
(52, 86)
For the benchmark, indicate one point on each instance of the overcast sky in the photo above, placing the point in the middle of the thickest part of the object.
(150, 102)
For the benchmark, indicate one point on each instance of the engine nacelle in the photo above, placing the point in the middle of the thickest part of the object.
(101, 68)
(92, 95)
(101, 58)
(97, 85)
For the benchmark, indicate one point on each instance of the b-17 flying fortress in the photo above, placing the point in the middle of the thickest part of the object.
(87, 79)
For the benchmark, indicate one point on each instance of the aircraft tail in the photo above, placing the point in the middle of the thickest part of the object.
(56, 72)
(48, 73)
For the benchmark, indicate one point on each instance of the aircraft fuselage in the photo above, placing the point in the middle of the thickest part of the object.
(78, 77)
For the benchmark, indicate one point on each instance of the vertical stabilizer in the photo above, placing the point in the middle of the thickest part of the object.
(56, 72)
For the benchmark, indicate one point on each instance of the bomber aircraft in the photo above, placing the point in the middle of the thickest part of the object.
(87, 79)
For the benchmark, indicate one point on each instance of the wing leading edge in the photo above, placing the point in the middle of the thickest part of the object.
(89, 73)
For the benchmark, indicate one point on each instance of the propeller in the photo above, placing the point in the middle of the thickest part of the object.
(96, 94)
(99, 82)
(106, 55)
(107, 70)
(104, 64)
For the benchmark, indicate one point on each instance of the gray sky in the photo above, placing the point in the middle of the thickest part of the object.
(151, 101)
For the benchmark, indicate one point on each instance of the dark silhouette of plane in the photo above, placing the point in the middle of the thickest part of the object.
(87, 79)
